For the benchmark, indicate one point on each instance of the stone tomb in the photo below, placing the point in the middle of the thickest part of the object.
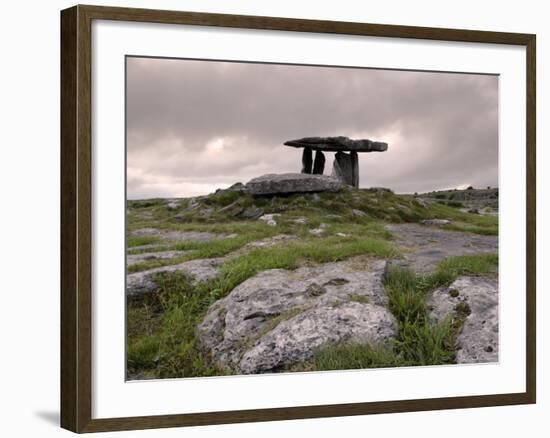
(346, 164)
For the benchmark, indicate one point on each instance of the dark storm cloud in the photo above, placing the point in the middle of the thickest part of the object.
(194, 126)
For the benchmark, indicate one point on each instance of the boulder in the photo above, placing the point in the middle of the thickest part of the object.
(285, 183)
(475, 299)
(269, 219)
(280, 317)
(251, 212)
(237, 187)
(300, 220)
(318, 231)
(358, 213)
(436, 222)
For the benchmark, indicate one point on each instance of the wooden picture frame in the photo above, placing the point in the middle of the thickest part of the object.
(76, 217)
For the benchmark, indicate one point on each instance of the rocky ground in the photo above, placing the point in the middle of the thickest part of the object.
(480, 201)
(237, 283)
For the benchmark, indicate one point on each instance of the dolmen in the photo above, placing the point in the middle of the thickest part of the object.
(346, 164)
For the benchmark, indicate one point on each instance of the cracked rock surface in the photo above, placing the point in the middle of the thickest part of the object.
(477, 299)
(424, 247)
(280, 317)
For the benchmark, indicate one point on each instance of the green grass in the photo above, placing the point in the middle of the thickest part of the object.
(367, 238)
(161, 330)
(452, 267)
(289, 256)
(353, 356)
(380, 207)
(420, 341)
(132, 241)
(475, 229)
(462, 221)
(171, 349)
(197, 250)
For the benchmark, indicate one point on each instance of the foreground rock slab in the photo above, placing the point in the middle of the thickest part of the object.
(284, 183)
(424, 247)
(280, 317)
(477, 299)
(294, 340)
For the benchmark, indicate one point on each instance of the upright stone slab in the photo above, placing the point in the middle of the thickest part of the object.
(342, 168)
(307, 160)
(354, 168)
(319, 163)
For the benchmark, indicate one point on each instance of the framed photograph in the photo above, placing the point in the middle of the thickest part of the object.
(270, 218)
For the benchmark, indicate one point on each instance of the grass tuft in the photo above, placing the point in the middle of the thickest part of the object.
(171, 350)
(289, 256)
(355, 356)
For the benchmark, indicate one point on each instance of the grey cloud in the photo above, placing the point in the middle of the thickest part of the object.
(193, 125)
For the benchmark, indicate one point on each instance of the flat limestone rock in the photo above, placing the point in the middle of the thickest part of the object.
(478, 340)
(200, 270)
(132, 259)
(436, 222)
(283, 183)
(424, 247)
(174, 235)
(279, 317)
(335, 144)
(294, 340)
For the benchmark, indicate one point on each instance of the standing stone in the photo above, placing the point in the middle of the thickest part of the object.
(342, 168)
(319, 163)
(354, 169)
(307, 160)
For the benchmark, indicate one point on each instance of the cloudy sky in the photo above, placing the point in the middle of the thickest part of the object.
(195, 126)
